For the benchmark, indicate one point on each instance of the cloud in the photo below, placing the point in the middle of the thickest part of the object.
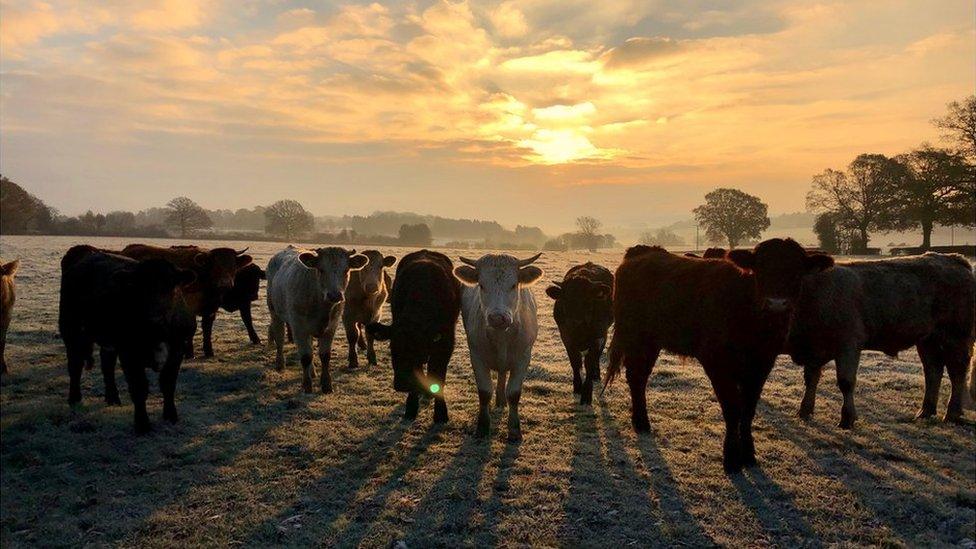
(508, 20)
(636, 51)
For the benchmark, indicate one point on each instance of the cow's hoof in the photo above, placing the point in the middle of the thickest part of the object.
(953, 417)
(171, 416)
(805, 412)
(326, 389)
(482, 430)
(440, 417)
(924, 413)
(307, 387)
(749, 461)
(586, 400)
(732, 467)
(74, 401)
(846, 422)
(642, 425)
(279, 368)
(515, 436)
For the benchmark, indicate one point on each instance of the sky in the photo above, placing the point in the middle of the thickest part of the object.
(528, 113)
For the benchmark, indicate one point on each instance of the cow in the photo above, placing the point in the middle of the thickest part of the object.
(135, 312)
(425, 303)
(365, 296)
(305, 291)
(583, 314)
(723, 313)
(927, 302)
(499, 314)
(215, 270)
(247, 282)
(8, 294)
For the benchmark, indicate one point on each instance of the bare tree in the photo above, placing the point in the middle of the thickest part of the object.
(288, 218)
(589, 230)
(862, 198)
(662, 237)
(934, 191)
(733, 215)
(959, 127)
(187, 216)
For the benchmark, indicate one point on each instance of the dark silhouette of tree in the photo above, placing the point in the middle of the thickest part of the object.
(959, 127)
(933, 191)
(415, 235)
(186, 216)
(288, 218)
(862, 198)
(20, 211)
(589, 231)
(733, 215)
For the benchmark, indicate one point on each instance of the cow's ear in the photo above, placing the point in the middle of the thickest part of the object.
(244, 261)
(528, 275)
(818, 262)
(357, 262)
(389, 260)
(261, 274)
(200, 259)
(309, 259)
(743, 258)
(184, 277)
(466, 274)
(379, 332)
(554, 292)
(602, 291)
(10, 269)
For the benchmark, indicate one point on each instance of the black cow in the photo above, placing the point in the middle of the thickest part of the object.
(247, 281)
(583, 313)
(135, 312)
(425, 304)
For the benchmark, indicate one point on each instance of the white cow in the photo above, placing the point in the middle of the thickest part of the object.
(305, 291)
(499, 315)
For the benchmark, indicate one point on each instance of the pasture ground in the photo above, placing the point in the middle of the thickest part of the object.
(255, 462)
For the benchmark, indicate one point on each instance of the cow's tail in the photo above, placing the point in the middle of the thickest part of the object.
(615, 359)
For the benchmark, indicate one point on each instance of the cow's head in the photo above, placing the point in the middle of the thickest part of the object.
(219, 265)
(371, 276)
(779, 266)
(499, 278)
(333, 265)
(9, 269)
(247, 282)
(714, 253)
(579, 300)
(153, 291)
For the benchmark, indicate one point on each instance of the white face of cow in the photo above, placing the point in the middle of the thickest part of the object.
(333, 266)
(499, 278)
(371, 276)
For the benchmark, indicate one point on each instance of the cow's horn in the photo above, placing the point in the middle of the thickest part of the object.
(351, 252)
(529, 261)
(244, 250)
(467, 261)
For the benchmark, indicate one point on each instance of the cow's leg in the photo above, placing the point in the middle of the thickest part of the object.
(361, 328)
(500, 389)
(513, 392)
(933, 364)
(208, 321)
(437, 369)
(752, 386)
(167, 385)
(482, 377)
(249, 324)
(3, 348)
(276, 335)
(291, 333)
(352, 339)
(847, 363)
(412, 407)
(304, 343)
(108, 357)
(957, 356)
(370, 349)
(78, 353)
(730, 398)
(576, 363)
(135, 377)
(325, 356)
(638, 368)
(811, 378)
(592, 363)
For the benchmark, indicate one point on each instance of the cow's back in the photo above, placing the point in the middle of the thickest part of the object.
(293, 291)
(426, 292)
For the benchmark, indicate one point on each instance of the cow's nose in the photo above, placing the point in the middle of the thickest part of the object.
(371, 288)
(499, 320)
(777, 305)
(334, 297)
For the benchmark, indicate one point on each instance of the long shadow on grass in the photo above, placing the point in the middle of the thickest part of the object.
(896, 498)
(774, 509)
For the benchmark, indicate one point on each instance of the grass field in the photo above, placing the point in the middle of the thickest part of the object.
(254, 462)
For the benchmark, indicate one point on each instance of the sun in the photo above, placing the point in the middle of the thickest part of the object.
(560, 146)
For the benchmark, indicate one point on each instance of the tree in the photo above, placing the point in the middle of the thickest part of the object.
(415, 235)
(932, 192)
(662, 237)
(288, 218)
(959, 127)
(186, 215)
(21, 211)
(732, 214)
(589, 230)
(862, 198)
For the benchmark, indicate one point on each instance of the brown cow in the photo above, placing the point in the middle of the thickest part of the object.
(215, 270)
(7, 298)
(733, 321)
(365, 295)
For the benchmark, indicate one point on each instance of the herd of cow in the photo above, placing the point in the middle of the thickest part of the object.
(734, 312)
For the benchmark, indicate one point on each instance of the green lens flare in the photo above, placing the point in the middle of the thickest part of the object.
(435, 388)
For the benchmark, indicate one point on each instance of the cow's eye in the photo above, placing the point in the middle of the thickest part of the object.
(514, 286)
